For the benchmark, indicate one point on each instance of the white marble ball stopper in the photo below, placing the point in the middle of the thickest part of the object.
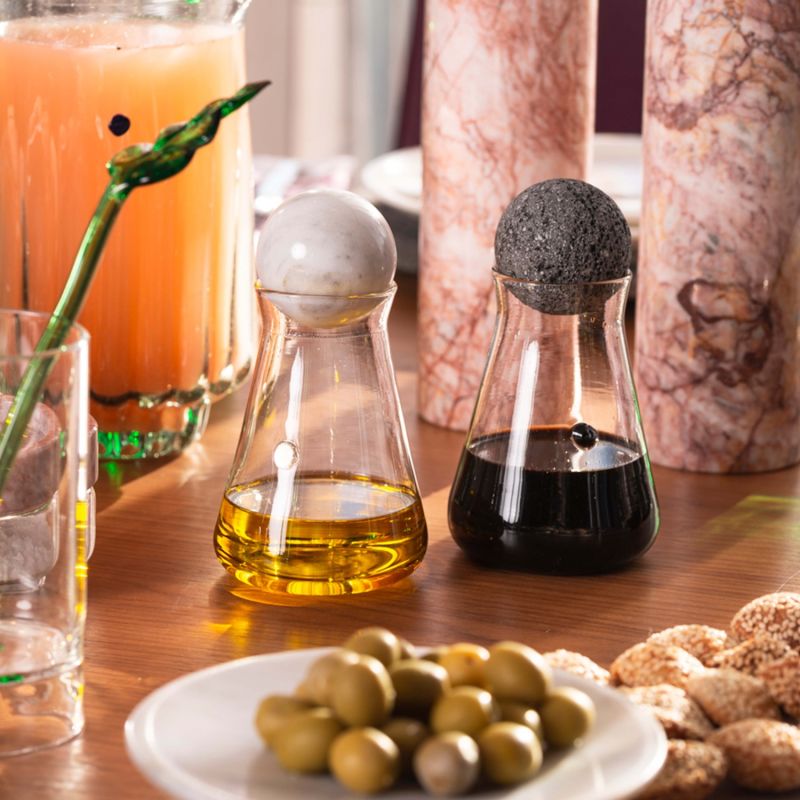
(320, 252)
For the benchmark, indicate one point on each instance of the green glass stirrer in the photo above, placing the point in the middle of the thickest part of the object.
(134, 166)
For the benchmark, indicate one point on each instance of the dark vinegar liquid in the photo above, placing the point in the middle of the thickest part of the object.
(541, 502)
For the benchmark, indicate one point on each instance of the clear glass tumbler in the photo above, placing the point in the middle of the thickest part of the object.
(322, 497)
(171, 310)
(555, 476)
(46, 513)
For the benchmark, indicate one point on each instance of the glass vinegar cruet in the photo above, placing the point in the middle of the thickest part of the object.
(554, 476)
(322, 498)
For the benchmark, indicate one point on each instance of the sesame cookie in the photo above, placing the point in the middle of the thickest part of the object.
(692, 771)
(702, 641)
(649, 663)
(782, 679)
(750, 654)
(728, 696)
(775, 615)
(762, 754)
(680, 716)
(579, 665)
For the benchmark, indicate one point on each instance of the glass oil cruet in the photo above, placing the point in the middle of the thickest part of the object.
(554, 476)
(322, 498)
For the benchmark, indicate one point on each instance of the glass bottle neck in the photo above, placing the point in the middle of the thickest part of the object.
(322, 316)
(544, 306)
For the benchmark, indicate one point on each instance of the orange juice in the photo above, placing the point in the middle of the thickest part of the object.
(170, 309)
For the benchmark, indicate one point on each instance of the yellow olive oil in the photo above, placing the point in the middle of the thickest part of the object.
(320, 534)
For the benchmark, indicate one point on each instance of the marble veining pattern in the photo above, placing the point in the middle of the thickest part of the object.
(717, 340)
(508, 100)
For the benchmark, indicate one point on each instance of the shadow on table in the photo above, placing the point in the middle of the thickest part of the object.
(589, 609)
(251, 617)
(113, 475)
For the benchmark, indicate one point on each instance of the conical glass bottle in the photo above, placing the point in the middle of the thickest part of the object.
(322, 497)
(555, 476)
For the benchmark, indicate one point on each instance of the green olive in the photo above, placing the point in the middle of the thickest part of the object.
(272, 713)
(522, 714)
(305, 739)
(408, 734)
(465, 664)
(567, 715)
(447, 764)
(434, 654)
(365, 760)
(517, 672)
(419, 684)
(510, 753)
(362, 693)
(377, 642)
(315, 687)
(467, 709)
(407, 650)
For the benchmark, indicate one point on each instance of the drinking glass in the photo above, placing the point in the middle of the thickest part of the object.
(171, 309)
(46, 516)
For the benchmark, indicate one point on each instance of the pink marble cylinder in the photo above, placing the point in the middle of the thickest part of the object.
(717, 350)
(508, 100)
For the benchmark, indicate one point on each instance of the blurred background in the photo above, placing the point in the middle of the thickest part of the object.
(347, 74)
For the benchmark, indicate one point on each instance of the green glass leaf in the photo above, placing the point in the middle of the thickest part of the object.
(176, 145)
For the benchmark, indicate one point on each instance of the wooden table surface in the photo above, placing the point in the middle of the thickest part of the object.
(160, 605)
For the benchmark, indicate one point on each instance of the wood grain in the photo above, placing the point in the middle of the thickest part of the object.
(160, 605)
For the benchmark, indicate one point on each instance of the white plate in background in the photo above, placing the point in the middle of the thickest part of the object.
(195, 739)
(395, 179)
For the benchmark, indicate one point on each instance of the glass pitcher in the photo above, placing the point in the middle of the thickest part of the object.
(171, 310)
(555, 476)
(322, 497)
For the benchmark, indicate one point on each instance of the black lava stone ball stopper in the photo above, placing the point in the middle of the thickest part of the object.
(562, 235)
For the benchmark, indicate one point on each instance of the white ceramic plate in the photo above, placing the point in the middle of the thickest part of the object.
(195, 739)
(395, 178)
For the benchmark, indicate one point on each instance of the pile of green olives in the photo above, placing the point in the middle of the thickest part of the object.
(374, 711)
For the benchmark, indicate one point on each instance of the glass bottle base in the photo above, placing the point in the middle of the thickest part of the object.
(304, 587)
(546, 515)
(379, 538)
